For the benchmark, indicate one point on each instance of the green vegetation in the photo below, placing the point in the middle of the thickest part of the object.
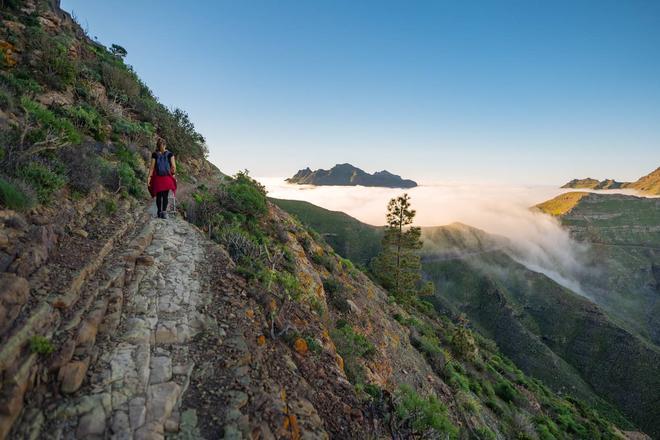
(44, 179)
(419, 417)
(246, 196)
(350, 238)
(13, 197)
(505, 391)
(562, 204)
(108, 206)
(64, 92)
(352, 347)
(41, 345)
(397, 267)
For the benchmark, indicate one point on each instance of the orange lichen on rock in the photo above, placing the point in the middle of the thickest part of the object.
(249, 313)
(261, 340)
(340, 361)
(301, 346)
(8, 52)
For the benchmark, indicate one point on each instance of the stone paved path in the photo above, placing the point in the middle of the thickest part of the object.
(137, 384)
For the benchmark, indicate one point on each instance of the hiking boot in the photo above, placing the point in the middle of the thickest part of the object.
(163, 215)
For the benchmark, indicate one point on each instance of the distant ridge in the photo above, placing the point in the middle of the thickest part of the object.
(649, 184)
(590, 183)
(348, 175)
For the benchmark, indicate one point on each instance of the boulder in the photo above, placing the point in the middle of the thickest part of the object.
(72, 375)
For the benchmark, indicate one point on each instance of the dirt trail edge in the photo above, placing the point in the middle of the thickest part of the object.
(137, 382)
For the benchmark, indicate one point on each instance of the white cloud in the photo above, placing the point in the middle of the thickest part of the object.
(537, 240)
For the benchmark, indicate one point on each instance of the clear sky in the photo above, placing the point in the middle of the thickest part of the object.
(517, 91)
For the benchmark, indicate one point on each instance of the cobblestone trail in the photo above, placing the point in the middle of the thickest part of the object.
(137, 383)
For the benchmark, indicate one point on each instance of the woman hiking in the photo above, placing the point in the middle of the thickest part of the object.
(161, 176)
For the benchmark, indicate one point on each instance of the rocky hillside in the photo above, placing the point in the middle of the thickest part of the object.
(349, 237)
(231, 319)
(348, 175)
(649, 184)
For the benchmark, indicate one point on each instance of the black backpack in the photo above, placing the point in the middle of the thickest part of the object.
(163, 164)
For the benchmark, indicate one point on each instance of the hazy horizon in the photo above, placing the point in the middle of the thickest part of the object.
(507, 91)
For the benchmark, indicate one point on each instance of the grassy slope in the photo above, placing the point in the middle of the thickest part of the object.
(350, 238)
(561, 204)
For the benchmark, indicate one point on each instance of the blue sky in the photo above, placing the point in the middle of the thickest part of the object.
(513, 91)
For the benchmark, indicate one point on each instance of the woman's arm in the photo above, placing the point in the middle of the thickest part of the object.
(151, 170)
(173, 166)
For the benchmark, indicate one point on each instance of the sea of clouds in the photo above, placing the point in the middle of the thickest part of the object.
(537, 240)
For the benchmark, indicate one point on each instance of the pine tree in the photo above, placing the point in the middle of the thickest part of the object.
(398, 266)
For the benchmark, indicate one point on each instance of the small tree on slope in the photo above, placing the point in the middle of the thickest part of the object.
(398, 266)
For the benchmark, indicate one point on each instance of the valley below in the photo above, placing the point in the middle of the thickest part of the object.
(570, 283)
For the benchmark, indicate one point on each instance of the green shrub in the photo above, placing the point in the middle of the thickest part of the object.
(424, 417)
(331, 285)
(325, 260)
(14, 197)
(43, 179)
(108, 206)
(121, 84)
(48, 125)
(427, 344)
(352, 346)
(505, 391)
(129, 181)
(54, 67)
(131, 158)
(87, 119)
(41, 345)
(458, 381)
(21, 83)
(484, 433)
(336, 297)
(374, 391)
(463, 343)
(494, 406)
(290, 285)
(313, 345)
(246, 196)
(135, 132)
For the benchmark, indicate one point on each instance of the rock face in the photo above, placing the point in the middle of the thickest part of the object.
(348, 175)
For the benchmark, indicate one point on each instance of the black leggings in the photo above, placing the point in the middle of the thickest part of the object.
(161, 200)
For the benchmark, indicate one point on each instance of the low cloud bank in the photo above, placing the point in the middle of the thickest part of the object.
(537, 240)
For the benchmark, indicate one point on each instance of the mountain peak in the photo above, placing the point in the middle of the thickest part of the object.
(345, 174)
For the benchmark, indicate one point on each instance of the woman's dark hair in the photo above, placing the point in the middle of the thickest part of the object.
(160, 141)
